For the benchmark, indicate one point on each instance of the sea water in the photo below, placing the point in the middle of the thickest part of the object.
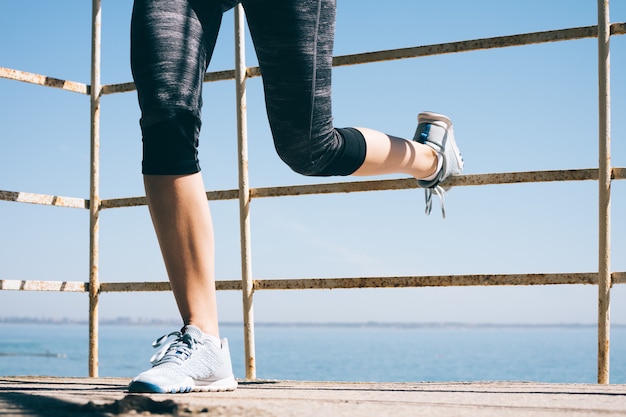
(334, 352)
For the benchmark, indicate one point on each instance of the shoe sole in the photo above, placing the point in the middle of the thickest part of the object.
(429, 116)
(227, 384)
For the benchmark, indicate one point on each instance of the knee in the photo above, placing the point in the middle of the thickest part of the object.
(339, 152)
(302, 166)
(304, 154)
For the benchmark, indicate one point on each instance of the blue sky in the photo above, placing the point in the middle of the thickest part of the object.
(515, 109)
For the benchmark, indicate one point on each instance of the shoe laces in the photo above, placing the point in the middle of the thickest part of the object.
(175, 347)
(440, 192)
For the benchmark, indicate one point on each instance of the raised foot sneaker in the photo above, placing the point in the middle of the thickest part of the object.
(435, 130)
(187, 361)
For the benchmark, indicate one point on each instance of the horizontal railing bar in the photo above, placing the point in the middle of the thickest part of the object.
(74, 286)
(208, 77)
(408, 183)
(141, 201)
(117, 88)
(29, 77)
(377, 282)
(44, 199)
(421, 51)
(343, 60)
(135, 286)
(574, 278)
(395, 184)
(159, 286)
(58, 286)
(427, 281)
(477, 44)
(331, 188)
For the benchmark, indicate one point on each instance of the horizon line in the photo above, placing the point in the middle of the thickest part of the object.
(367, 323)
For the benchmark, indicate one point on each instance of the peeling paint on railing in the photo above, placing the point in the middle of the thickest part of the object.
(29, 77)
(59, 286)
(330, 188)
(487, 280)
(43, 199)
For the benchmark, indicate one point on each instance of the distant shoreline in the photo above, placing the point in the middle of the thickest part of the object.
(408, 325)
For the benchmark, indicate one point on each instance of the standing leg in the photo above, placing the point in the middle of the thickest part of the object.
(182, 222)
(171, 44)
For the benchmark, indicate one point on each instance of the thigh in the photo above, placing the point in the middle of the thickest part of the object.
(293, 40)
(171, 45)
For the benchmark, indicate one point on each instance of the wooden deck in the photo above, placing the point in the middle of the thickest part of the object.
(52, 397)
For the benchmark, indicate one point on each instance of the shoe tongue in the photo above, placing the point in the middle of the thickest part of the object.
(193, 331)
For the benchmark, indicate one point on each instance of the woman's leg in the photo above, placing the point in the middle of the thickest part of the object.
(294, 44)
(391, 155)
(171, 44)
(182, 222)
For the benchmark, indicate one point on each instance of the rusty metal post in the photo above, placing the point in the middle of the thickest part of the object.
(94, 188)
(604, 182)
(247, 289)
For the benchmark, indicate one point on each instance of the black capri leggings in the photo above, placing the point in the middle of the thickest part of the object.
(172, 42)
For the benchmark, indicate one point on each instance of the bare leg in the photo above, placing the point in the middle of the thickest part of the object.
(182, 221)
(390, 155)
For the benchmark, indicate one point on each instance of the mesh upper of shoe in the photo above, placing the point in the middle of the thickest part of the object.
(185, 359)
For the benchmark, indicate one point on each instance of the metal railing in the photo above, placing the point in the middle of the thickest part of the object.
(604, 175)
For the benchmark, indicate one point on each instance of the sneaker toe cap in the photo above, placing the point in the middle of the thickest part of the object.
(158, 382)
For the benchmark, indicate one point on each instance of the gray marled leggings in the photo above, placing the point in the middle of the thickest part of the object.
(171, 45)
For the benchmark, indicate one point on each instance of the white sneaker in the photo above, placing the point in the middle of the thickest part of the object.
(187, 361)
(435, 130)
